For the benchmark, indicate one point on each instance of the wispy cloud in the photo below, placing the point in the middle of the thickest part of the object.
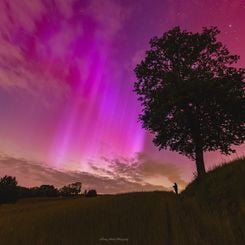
(22, 67)
(142, 169)
(110, 14)
(41, 41)
(124, 179)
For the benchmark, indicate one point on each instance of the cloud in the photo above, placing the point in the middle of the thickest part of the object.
(40, 41)
(142, 169)
(19, 14)
(29, 173)
(111, 15)
(18, 73)
(22, 67)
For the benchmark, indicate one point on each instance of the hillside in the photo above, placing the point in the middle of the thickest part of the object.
(210, 212)
(224, 185)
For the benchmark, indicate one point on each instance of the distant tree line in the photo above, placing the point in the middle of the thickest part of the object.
(10, 192)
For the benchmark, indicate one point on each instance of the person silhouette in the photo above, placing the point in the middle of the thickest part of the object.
(175, 186)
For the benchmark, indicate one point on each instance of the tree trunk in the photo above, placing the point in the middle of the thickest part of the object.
(197, 139)
(200, 162)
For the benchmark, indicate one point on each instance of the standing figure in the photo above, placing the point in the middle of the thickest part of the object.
(175, 186)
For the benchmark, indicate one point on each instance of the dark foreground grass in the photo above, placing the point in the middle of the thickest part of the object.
(210, 214)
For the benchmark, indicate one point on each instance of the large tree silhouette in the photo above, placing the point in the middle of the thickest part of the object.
(192, 96)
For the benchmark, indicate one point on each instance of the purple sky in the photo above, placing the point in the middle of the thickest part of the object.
(67, 110)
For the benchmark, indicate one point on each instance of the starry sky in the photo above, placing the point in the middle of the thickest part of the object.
(67, 109)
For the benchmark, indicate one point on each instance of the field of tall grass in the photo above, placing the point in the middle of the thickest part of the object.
(207, 212)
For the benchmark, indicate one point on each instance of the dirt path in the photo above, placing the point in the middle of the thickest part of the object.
(169, 237)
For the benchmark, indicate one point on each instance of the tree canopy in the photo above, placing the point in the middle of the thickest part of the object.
(191, 93)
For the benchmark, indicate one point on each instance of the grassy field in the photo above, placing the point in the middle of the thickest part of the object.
(207, 212)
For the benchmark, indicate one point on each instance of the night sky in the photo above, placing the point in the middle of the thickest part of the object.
(67, 110)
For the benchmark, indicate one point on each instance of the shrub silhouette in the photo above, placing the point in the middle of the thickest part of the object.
(23, 192)
(48, 191)
(91, 193)
(8, 189)
(71, 189)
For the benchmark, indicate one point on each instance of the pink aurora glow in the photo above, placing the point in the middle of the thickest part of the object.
(72, 45)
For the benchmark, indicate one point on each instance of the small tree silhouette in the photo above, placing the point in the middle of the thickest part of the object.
(71, 190)
(8, 189)
(192, 97)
